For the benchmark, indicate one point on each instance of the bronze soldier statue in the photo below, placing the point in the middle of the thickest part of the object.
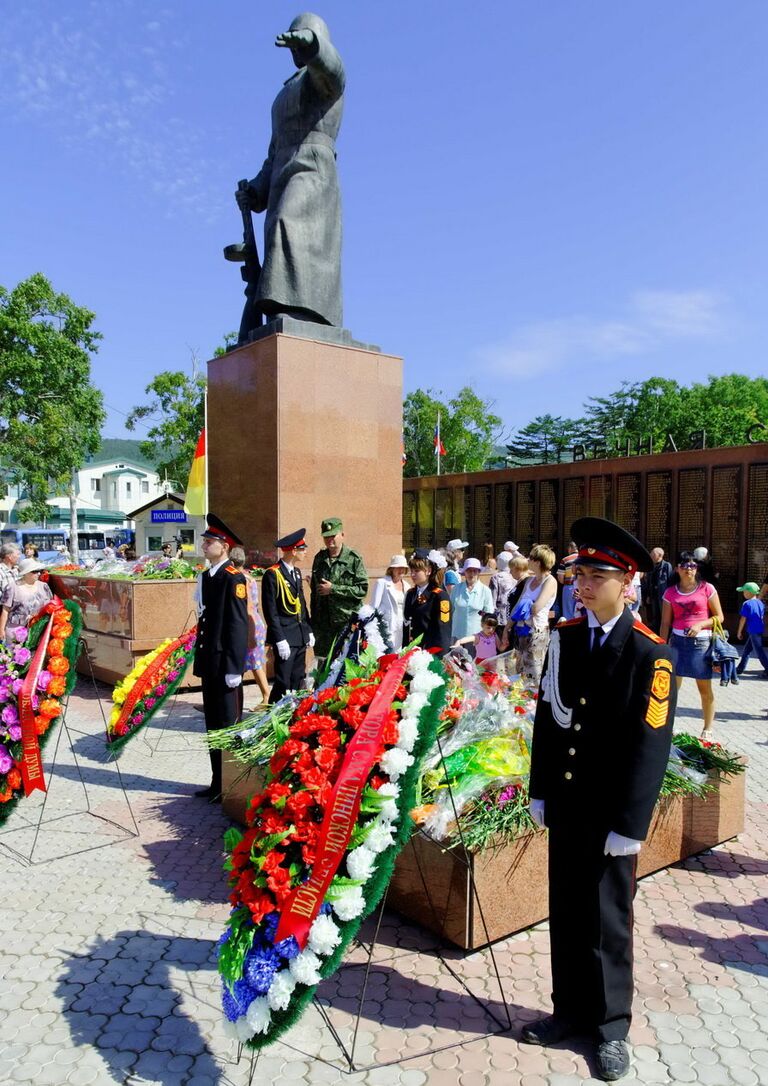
(298, 188)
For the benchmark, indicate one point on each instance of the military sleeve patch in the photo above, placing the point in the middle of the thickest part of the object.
(240, 591)
(445, 610)
(658, 704)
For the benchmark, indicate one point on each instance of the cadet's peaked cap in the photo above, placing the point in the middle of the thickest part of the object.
(330, 526)
(295, 539)
(604, 544)
(217, 529)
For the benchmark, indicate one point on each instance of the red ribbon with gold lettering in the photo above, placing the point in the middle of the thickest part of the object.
(31, 759)
(304, 902)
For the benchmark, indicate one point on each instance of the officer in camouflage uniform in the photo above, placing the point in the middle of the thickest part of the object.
(339, 584)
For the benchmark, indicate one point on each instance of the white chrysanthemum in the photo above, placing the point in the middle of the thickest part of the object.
(305, 967)
(395, 762)
(231, 1030)
(413, 704)
(281, 990)
(390, 789)
(349, 904)
(244, 1030)
(425, 682)
(324, 936)
(360, 863)
(408, 732)
(419, 662)
(389, 811)
(259, 1014)
(379, 836)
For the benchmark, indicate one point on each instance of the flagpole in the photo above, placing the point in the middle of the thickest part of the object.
(439, 442)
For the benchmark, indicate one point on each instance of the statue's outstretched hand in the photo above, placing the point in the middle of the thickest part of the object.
(295, 39)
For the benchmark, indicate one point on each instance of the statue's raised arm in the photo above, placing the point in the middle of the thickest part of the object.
(298, 186)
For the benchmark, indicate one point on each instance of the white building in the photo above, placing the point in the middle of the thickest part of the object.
(106, 490)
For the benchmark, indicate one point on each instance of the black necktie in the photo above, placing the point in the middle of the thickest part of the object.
(597, 638)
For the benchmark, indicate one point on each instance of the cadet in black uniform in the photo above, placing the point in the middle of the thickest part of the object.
(285, 613)
(222, 638)
(427, 607)
(601, 741)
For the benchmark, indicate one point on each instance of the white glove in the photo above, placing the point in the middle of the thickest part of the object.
(616, 845)
(233, 680)
(311, 640)
(536, 811)
(283, 649)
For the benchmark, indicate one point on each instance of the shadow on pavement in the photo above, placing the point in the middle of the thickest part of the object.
(737, 952)
(119, 998)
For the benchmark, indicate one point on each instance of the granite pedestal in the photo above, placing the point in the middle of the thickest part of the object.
(303, 429)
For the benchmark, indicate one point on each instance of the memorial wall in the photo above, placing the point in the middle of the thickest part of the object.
(717, 498)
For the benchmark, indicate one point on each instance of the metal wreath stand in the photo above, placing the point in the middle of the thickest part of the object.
(36, 826)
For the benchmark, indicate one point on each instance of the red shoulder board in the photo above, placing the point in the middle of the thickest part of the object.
(572, 622)
(276, 566)
(643, 629)
(231, 569)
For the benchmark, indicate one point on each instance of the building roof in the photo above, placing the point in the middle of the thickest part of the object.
(126, 469)
(169, 497)
(120, 448)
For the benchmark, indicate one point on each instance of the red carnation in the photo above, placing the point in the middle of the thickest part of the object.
(326, 759)
(276, 790)
(327, 695)
(353, 717)
(308, 855)
(364, 695)
(385, 661)
(313, 778)
(281, 757)
(299, 804)
(272, 821)
(329, 739)
(376, 781)
(304, 706)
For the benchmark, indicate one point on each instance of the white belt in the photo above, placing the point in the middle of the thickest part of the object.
(684, 633)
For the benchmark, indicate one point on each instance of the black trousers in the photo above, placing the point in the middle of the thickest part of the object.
(220, 705)
(289, 674)
(590, 930)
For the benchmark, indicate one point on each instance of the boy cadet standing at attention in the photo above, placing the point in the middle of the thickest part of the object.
(601, 741)
(222, 638)
(285, 613)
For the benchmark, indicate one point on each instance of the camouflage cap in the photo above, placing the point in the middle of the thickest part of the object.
(330, 526)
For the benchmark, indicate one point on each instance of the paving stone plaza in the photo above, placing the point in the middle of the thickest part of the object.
(109, 962)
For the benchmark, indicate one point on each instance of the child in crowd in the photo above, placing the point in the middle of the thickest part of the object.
(751, 625)
(489, 641)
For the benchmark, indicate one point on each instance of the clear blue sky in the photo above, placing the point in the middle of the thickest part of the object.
(541, 199)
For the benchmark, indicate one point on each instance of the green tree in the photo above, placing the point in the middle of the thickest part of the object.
(177, 409)
(547, 439)
(468, 429)
(723, 407)
(50, 413)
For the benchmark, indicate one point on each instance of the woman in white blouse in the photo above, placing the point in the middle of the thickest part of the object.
(389, 596)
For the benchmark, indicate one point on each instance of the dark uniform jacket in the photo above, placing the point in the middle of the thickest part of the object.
(428, 614)
(222, 629)
(283, 624)
(604, 765)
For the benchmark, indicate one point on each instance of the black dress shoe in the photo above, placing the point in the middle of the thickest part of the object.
(548, 1031)
(210, 793)
(612, 1060)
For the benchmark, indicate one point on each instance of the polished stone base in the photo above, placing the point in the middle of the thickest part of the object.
(301, 430)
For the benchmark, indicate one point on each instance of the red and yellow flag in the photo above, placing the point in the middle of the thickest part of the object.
(195, 501)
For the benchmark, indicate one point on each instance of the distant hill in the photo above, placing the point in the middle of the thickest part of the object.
(121, 448)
